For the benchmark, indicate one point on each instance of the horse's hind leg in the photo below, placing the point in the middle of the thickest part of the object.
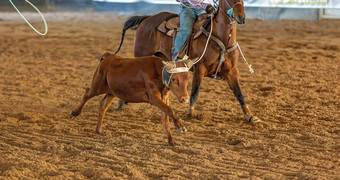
(104, 104)
(232, 77)
(87, 96)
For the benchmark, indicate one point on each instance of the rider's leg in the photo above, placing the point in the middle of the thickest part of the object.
(199, 12)
(187, 20)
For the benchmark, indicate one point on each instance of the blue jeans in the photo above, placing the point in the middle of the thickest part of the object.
(187, 20)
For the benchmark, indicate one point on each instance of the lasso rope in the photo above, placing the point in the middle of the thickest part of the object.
(229, 12)
(249, 65)
(206, 44)
(46, 28)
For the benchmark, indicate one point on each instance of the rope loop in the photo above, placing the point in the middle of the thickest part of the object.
(43, 18)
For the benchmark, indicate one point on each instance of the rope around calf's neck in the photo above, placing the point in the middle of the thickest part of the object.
(46, 28)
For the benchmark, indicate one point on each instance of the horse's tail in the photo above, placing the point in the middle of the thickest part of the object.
(133, 23)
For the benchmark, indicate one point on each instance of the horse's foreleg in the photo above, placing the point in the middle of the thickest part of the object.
(196, 83)
(104, 104)
(232, 77)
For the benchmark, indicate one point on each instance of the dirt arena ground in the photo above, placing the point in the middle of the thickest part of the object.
(295, 91)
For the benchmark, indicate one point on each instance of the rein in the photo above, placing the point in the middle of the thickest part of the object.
(232, 7)
(230, 11)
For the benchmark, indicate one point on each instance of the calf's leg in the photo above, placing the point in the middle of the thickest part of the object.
(104, 104)
(166, 125)
(165, 121)
(87, 96)
(168, 112)
(98, 86)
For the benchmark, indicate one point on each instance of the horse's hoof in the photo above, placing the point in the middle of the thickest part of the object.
(121, 104)
(254, 120)
(190, 115)
(119, 108)
(184, 129)
(190, 112)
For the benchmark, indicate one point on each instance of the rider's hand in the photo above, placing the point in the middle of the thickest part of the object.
(209, 9)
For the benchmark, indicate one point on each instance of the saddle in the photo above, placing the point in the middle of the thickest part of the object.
(170, 27)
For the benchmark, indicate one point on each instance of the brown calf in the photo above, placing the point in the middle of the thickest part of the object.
(136, 80)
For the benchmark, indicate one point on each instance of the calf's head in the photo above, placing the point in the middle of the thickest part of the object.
(178, 86)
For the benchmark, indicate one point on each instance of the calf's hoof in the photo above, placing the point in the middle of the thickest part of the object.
(98, 130)
(74, 114)
(181, 130)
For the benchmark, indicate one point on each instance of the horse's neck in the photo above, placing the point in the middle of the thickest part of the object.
(222, 26)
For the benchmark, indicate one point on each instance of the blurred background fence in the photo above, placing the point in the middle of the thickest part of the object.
(261, 9)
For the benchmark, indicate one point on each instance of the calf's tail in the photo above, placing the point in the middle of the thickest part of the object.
(132, 23)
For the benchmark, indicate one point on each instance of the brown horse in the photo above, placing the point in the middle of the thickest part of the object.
(149, 41)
